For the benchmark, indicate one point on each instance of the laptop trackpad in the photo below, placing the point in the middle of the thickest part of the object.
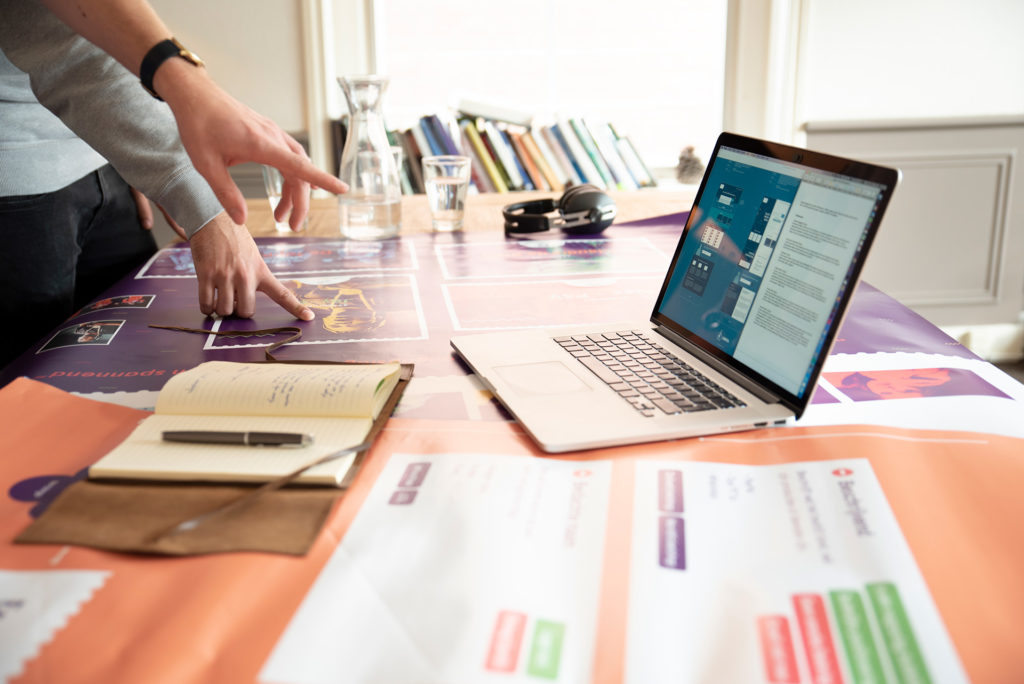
(543, 378)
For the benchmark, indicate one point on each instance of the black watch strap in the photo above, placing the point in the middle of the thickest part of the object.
(157, 55)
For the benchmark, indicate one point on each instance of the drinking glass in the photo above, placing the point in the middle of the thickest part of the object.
(272, 182)
(446, 178)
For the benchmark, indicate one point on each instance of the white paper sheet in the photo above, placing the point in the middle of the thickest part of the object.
(968, 407)
(34, 605)
(487, 568)
(786, 573)
(459, 568)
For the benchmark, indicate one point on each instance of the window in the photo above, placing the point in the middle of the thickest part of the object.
(653, 68)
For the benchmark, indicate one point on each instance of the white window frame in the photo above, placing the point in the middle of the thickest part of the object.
(764, 39)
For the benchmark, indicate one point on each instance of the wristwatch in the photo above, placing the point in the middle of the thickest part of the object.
(160, 53)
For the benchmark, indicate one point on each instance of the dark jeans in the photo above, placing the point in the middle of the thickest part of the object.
(59, 250)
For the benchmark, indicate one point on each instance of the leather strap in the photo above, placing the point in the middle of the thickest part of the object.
(157, 55)
(296, 333)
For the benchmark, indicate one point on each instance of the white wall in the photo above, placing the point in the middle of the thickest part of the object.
(888, 59)
(936, 88)
(253, 49)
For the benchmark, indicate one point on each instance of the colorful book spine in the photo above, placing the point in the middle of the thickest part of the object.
(543, 139)
(481, 179)
(526, 160)
(421, 141)
(592, 153)
(469, 129)
(509, 156)
(491, 146)
(505, 154)
(636, 164)
(478, 180)
(588, 171)
(606, 146)
(415, 160)
(394, 139)
(441, 134)
(339, 130)
(447, 144)
(563, 141)
(433, 144)
(550, 177)
(516, 159)
(568, 167)
(450, 124)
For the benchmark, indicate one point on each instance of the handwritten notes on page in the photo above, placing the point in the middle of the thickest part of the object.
(275, 389)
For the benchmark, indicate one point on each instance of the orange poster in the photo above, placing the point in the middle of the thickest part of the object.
(219, 618)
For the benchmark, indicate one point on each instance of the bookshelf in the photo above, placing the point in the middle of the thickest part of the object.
(511, 152)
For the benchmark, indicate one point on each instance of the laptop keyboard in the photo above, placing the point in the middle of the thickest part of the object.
(653, 380)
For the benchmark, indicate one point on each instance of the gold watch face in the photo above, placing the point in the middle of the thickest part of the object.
(187, 54)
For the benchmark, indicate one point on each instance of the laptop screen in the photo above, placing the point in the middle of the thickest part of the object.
(770, 250)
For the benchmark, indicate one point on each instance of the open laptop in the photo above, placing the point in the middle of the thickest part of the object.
(753, 297)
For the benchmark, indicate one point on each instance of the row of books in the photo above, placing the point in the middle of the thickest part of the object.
(507, 156)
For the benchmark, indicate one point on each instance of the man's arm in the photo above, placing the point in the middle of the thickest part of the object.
(217, 130)
(124, 29)
(104, 105)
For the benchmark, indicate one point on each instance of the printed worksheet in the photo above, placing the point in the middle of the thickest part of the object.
(783, 573)
(488, 568)
(459, 568)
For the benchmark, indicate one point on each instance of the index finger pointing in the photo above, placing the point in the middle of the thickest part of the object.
(286, 299)
(321, 179)
(295, 164)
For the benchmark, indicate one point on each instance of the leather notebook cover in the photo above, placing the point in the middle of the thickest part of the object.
(130, 516)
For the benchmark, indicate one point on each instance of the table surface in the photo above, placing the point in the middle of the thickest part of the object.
(947, 463)
(483, 211)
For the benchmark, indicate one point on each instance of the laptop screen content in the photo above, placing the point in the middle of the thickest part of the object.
(766, 260)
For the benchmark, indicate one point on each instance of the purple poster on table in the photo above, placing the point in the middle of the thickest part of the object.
(399, 299)
(296, 256)
(492, 305)
(537, 258)
(876, 322)
(370, 307)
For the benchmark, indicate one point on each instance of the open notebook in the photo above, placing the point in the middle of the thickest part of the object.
(335, 404)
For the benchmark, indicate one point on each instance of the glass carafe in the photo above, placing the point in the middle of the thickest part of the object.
(372, 207)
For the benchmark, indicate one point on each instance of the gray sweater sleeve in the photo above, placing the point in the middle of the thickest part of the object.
(104, 105)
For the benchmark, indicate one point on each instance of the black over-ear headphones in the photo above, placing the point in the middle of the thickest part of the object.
(582, 210)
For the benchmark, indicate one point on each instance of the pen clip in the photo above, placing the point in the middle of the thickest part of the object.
(247, 498)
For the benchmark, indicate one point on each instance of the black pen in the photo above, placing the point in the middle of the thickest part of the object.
(295, 439)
